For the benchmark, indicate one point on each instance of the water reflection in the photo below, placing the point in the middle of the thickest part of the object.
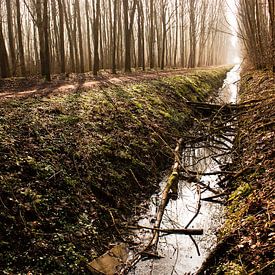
(180, 255)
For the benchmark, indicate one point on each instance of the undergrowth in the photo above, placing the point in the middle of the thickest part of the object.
(72, 165)
(250, 209)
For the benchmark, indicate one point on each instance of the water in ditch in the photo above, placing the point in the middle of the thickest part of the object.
(180, 254)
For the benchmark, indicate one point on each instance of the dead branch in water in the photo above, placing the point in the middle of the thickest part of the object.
(198, 206)
(172, 185)
(168, 231)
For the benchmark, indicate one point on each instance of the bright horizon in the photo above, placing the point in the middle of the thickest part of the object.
(231, 15)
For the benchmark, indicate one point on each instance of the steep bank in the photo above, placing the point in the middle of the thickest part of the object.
(247, 239)
(71, 165)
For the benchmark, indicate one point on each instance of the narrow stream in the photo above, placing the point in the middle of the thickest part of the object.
(180, 254)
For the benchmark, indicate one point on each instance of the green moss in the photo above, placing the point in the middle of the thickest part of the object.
(242, 191)
(89, 153)
(231, 268)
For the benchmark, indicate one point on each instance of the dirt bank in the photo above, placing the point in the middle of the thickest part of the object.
(248, 237)
(75, 164)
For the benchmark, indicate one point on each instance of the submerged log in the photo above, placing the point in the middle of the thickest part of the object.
(172, 185)
(180, 231)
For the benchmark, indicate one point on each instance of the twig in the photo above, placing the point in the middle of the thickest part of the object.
(198, 206)
(134, 176)
(196, 245)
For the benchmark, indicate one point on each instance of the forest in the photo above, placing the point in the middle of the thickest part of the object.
(137, 136)
(80, 36)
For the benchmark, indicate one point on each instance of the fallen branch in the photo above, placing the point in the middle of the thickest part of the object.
(172, 184)
(214, 107)
(211, 173)
(213, 201)
(180, 231)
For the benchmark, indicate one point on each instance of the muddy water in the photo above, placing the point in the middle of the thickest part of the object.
(180, 254)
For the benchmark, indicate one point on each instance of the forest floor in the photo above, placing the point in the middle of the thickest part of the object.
(76, 164)
(248, 237)
(35, 86)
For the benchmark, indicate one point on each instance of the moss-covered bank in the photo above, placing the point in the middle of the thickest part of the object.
(248, 238)
(71, 164)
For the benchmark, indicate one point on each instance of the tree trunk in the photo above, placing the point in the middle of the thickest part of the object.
(176, 35)
(88, 36)
(192, 34)
(70, 38)
(61, 38)
(11, 36)
(164, 34)
(4, 64)
(114, 38)
(152, 36)
(271, 8)
(47, 68)
(96, 32)
(81, 67)
(128, 27)
(20, 39)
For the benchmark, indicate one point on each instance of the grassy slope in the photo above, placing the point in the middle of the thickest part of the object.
(70, 163)
(249, 229)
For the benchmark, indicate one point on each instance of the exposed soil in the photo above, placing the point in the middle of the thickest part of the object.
(248, 239)
(76, 164)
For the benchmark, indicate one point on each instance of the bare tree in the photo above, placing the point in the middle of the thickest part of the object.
(11, 35)
(257, 31)
(4, 64)
(96, 36)
(88, 35)
(61, 37)
(81, 55)
(128, 28)
(20, 39)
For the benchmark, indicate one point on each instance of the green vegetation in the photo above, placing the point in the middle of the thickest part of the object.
(73, 164)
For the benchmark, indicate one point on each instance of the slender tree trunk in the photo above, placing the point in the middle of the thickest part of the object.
(114, 38)
(61, 38)
(81, 55)
(176, 35)
(128, 28)
(4, 64)
(152, 36)
(192, 34)
(164, 34)
(41, 36)
(139, 36)
(127, 39)
(11, 36)
(271, 9)
(101, 37)
(70, 38)
(54, 40)
(46, 41)
(96, 36)
(20, 39)
(143, 37)
(74, 35)
(87, 7)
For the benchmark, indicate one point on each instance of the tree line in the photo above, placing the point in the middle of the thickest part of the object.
(256, 20)
(63, 36)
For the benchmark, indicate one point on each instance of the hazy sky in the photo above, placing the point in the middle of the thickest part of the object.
(232, 20)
